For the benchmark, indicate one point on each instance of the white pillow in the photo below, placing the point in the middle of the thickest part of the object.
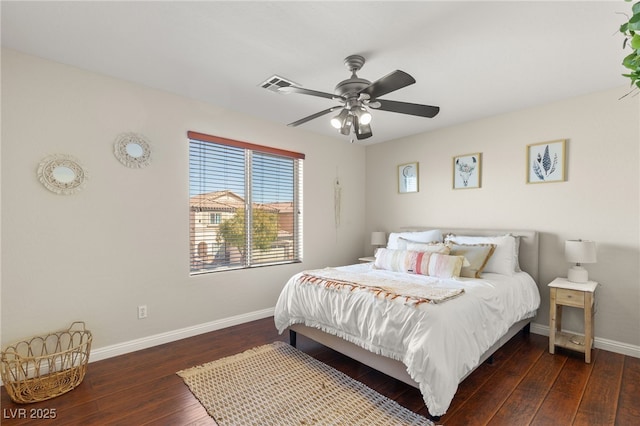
(434, 235)
(440, 248)
(504, 259)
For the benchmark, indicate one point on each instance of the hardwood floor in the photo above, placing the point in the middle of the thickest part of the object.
(525, 385)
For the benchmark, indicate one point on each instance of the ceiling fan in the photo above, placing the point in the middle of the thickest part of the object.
(356, 95)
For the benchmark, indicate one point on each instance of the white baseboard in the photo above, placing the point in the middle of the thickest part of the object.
(598, 342)
(171, 336)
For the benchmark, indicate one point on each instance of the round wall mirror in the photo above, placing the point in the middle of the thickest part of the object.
(62, 174)
(132, 150)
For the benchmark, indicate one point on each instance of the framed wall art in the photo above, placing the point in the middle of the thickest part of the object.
(408, 178)
(546, 161)
(467, 171)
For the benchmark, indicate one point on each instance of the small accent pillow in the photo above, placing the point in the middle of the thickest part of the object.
(394, 242)
(505, 257)
(476, 254)
(423, 263)
(440, 248)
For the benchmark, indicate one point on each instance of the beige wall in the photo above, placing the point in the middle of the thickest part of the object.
(123, 241)
(599, 200)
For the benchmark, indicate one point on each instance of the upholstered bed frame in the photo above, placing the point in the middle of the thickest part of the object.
(528, 260)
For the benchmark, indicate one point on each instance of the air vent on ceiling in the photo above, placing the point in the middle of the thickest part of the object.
(276, 82)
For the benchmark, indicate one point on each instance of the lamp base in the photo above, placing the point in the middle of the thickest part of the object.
(577, 274)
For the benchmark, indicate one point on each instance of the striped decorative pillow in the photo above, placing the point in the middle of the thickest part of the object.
(416, 262)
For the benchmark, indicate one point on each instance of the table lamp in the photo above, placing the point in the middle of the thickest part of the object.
(378, 239)
(579, 252)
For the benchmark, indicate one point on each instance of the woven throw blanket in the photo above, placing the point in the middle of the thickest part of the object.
(413, 293)
(279, 385)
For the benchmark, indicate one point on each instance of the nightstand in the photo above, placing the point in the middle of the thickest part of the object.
(367, 259)
(579, 295)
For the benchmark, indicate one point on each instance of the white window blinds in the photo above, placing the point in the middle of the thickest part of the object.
(245, 204)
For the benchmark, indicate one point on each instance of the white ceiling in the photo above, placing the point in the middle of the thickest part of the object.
(473, 59)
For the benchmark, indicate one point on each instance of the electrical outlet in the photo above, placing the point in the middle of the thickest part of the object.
(142, 311)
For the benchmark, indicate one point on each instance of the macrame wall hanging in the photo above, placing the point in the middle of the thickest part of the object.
(132, 150)
(62, 174)
(337, 201)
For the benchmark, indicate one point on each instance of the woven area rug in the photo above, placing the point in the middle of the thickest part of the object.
(277, 384)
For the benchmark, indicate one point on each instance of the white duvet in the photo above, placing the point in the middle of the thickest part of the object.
(439, 343)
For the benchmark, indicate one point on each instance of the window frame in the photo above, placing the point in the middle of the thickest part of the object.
(248, 260)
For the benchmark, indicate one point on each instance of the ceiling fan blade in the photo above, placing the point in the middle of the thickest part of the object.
(316, 115)
(294, 89)
(387, 84)
(408, 108)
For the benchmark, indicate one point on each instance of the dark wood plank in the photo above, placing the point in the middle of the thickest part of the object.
(628, 405)
(562, 401)
(522, 405)
(524, 385)
(600, 400)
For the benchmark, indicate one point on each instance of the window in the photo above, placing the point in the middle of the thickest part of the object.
(245, 204)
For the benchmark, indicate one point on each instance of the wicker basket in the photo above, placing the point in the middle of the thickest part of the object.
(46, 366)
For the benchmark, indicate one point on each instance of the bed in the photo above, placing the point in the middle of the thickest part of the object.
(409, 316)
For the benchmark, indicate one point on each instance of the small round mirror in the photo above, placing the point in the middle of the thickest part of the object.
(134, 150)
(63, 174)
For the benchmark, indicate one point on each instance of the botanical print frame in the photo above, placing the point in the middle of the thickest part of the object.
(546, 161)
(408, 176)
(467, 171)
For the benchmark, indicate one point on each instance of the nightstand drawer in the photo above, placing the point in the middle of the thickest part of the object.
(570, 297)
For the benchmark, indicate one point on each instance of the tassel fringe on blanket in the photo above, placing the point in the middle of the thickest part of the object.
(413, 294)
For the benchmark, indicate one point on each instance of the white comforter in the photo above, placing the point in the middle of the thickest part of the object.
(439, 343)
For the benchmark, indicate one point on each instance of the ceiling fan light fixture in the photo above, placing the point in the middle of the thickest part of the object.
(338, 121)
(346, 124)
(363, 129)
(364, 116)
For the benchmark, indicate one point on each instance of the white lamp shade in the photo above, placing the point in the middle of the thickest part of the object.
(378, 238)
(580, 251)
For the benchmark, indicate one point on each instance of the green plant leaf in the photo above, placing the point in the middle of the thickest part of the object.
(629, 29)
(634, 23)
(631, 61)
